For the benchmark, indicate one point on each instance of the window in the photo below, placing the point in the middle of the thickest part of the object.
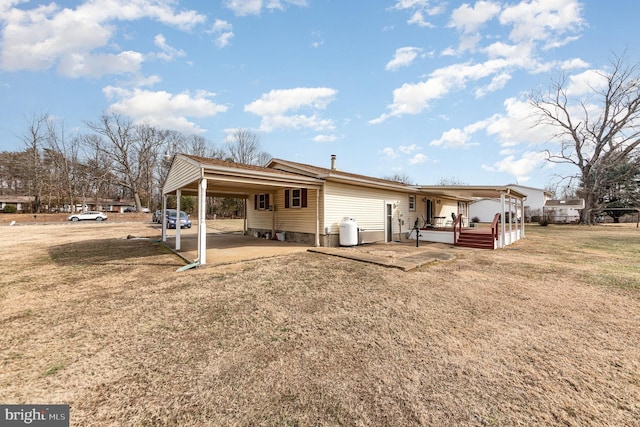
(295, 198)
(412, 203)
(261, 202)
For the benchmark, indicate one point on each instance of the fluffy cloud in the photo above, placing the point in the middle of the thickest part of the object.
(469, 19)
(519, 168)
(279, 108)
(389, 153)
(163, 109)
(534, 26)
(48, 35)
(403, 57)
(169, 53)
(417, 159)
(222, 31)
(546, 21)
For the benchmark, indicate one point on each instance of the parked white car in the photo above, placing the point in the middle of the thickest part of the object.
(89, 215)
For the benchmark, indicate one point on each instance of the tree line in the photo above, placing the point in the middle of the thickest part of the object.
(115, 159)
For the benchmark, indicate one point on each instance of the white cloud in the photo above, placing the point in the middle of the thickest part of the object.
(419, 9)
(413, 98)
(169, 53)
(45, 36)
(408, 149)
(325, 138)
(534, 25)
(542, 20)
(163, 109)
(403, 57)
(519, 168)
(417, 159)
(222, 30)
(585, 83)
(497, 82)
(278, 107)
(389, 153)
(469, 19)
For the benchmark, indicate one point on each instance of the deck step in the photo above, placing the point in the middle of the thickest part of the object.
(475, 240)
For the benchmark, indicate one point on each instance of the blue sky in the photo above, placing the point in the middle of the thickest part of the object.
(423, 88)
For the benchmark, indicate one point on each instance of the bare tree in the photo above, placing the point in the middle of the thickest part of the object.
(128, 148)
(33, 169)
(63, 156)
(594, 140)
(402, 178)
(244, 147)
(450, 181)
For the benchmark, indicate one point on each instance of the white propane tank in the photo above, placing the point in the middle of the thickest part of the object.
(348, 232)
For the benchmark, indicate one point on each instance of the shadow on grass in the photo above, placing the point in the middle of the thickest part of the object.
(111, 251)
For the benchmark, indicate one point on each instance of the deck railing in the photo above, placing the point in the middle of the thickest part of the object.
(494, 226)
(457, 228)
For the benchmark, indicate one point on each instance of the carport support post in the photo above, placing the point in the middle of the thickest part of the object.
(163, 217)
(178, 224)
(202, 222)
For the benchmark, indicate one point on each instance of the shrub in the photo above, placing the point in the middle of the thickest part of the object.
(544, 221)
(10, 209)
(475, 219)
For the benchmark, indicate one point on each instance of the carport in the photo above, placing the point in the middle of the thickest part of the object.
(203, 177)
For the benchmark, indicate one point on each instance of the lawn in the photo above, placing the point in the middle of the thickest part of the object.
(544, 332)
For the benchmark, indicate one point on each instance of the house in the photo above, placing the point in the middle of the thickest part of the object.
(563, 211)
(484, 208)
(307, 203)
(22, 203)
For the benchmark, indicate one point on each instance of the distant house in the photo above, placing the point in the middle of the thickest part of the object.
(563, 211)
(311, 204)
(534, 203)
(22, 203)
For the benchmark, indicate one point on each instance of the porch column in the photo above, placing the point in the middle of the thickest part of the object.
(503, 227)
(317, 218)
(522, 222)
(273, 214)
(202, 221)
(178, 195)
(245, 221)
(163, 218)
(511, 219)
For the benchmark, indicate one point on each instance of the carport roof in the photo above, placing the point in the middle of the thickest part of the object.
(229, 179)
(471, 191)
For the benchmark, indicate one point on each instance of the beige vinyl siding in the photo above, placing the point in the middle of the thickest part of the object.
(182, 173)
(300, 220)
(367, 207)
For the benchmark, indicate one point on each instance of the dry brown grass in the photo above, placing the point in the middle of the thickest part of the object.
(543, 333)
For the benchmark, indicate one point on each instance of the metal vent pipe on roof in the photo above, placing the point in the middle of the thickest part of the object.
(333, 162)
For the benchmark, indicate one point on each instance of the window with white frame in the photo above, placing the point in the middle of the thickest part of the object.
(412, 203)
(261, 202)
(295, 198)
